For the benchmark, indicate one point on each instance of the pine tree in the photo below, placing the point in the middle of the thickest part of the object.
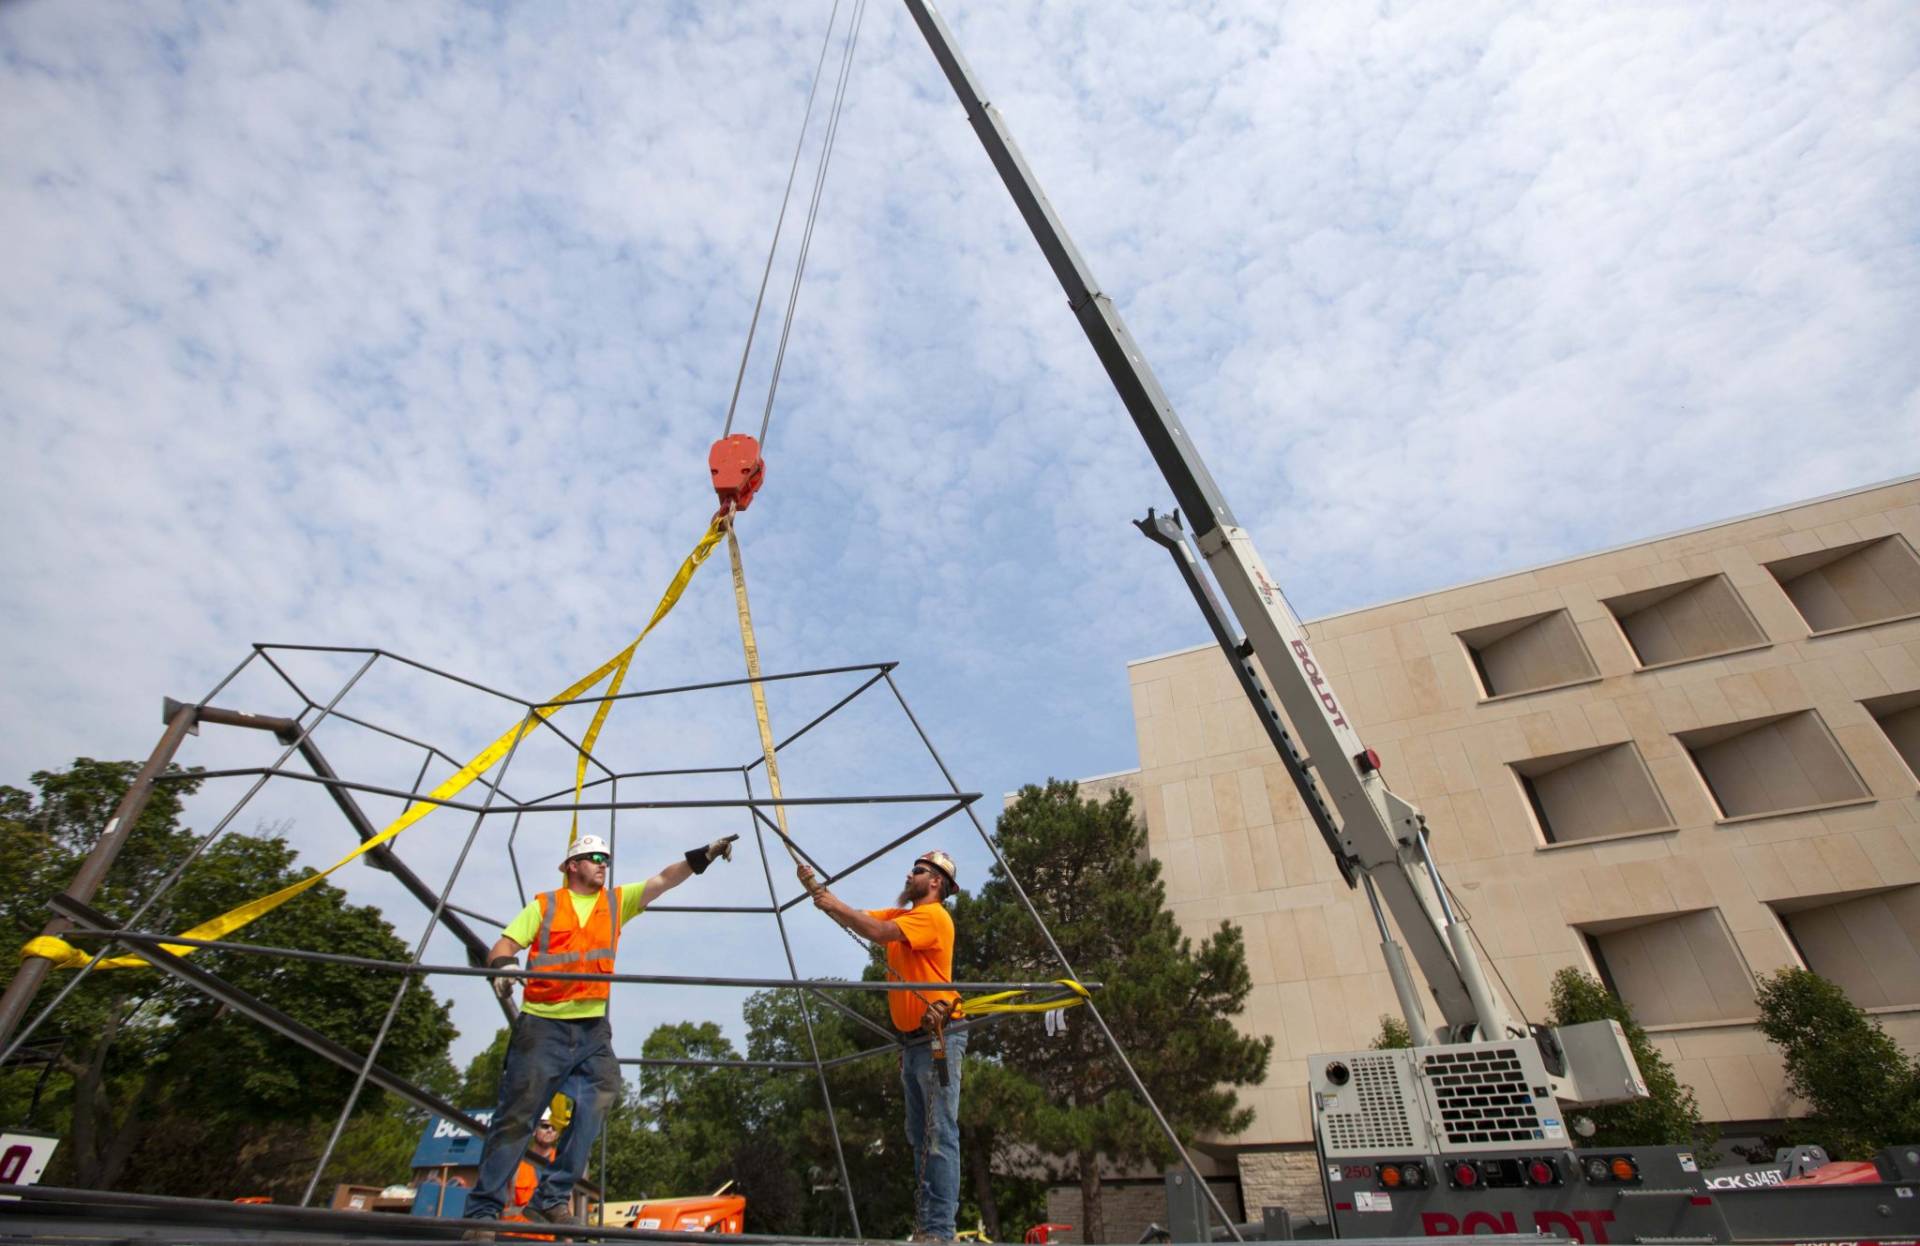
(1085, 866)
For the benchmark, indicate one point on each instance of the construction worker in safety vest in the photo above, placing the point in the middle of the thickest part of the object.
(561, 1042)
(918, 936)
(539, 1158)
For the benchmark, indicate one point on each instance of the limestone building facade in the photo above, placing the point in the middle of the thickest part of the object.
(1679, 765)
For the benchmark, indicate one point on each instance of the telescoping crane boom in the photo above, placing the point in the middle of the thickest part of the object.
(1466, 1130)
(1378, 839)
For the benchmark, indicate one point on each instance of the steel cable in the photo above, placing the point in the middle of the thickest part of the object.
(779, 223)
(813, 208)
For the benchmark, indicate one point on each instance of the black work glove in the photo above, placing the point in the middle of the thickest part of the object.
(700, 858)
(503, 987)
(937, 1015)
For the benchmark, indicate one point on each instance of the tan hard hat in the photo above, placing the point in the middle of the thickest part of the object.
(944, 864)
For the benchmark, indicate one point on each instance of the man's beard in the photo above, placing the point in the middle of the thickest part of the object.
(906, 897)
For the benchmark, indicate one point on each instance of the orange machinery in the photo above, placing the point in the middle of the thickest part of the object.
(718, 1212)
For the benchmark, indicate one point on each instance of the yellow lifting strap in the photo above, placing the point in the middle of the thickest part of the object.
(65, 956)
(1005, 1001)
(752, 648)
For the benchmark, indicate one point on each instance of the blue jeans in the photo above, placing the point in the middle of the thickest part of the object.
(933, 1130)
(545, 1057)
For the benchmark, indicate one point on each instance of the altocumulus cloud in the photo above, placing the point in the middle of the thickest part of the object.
(410, 325)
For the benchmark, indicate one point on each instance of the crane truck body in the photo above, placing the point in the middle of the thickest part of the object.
(1470, 1129)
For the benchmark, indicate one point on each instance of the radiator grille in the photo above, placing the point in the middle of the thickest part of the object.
(1483, 1096)
(1381, 1123)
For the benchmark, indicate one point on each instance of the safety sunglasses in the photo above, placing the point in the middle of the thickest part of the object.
(594, 858)
(546, 1125)
(923, 869)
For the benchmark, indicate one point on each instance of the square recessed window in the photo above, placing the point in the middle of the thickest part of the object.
(1673, 968)
(1592, 793)
(1681, 622)
(1899, 716)
(1865, 942)
(1852, 585)
(1528, 654)
(1777, 764)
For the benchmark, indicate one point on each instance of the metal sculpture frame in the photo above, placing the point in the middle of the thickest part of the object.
(74, 915)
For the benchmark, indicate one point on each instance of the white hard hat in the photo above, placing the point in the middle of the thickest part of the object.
(585, 844)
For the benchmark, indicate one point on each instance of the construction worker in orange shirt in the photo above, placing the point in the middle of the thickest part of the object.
(918, 936)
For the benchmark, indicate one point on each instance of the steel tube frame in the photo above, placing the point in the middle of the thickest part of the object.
(205, 842)
(296, 734)
(406, 983)
(287, 731)
(265, 647)
(374, 789)
(826, 879)
(806, 1013)
(154, 938)
(137, 1217)
(218, 988)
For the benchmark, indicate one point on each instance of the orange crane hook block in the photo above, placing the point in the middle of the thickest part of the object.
(737, 470)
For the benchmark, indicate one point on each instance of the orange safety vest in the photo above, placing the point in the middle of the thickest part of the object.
(566, 946)
(526, 1179)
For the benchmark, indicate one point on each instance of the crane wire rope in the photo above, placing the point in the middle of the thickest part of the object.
(614, 671)
(766, 272)
(1005, 1001)
(813, 207)
(844, 74)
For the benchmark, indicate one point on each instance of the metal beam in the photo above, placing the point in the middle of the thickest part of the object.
(218, 988)
(384, 858)
(155, 939)
(1125, 362)
(93, 871)
(36, 1211)
(1166, 532)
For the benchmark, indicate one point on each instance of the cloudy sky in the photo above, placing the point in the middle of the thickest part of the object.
(410, 325)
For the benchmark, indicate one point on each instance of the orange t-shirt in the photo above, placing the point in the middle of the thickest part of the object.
(925, 955)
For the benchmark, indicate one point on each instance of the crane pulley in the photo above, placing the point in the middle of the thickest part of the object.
(737, 469)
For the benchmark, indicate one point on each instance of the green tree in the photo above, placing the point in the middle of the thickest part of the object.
(692, 1130)
(1085, 866)
(1669, 1116)
(156, 1087)
(1863, 1092)
(866, 1101)
(480, 1084)
(1393, 1033)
